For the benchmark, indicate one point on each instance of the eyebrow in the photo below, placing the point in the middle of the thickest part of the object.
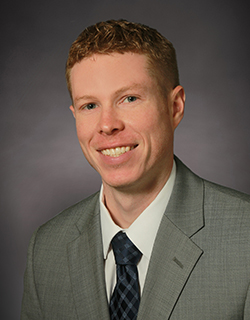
(116, 93)
(85, 97)
(131, 87)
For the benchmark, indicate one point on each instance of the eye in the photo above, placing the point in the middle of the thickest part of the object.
(90, 106)
(130, 99)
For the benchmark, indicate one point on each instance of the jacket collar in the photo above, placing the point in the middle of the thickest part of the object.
(185, 207)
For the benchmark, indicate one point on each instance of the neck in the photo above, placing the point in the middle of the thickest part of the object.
(126, 205)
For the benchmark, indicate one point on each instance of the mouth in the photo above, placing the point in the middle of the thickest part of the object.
(116, 152)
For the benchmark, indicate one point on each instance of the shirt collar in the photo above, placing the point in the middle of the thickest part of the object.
(143, 230)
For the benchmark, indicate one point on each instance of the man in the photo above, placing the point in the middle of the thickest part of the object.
(190, 237)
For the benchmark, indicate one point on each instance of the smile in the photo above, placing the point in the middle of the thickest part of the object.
(116, 152)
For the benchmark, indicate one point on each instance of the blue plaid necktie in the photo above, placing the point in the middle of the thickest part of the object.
(124, 303)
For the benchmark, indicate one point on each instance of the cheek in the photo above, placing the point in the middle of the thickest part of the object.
(162, 136)
(84, 138)
(83, 131)
(158, 125)
(80, 134)
(144, 121)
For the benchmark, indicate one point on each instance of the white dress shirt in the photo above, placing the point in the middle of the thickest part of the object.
(142, 232)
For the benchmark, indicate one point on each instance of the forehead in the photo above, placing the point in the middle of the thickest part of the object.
(110, 69)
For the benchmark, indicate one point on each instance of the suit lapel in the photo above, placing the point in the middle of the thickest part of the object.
(174, 254)
(86, 267)
(173, 259)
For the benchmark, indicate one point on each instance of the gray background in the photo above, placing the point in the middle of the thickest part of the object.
(42, 167)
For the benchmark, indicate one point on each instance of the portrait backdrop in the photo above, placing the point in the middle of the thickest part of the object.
(43, 170)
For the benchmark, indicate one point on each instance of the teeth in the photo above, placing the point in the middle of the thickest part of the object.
(116, 152)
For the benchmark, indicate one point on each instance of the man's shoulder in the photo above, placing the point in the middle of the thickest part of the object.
(222, 193)
(65, 223)
(200, 192)
(76, 211)
(211, 189)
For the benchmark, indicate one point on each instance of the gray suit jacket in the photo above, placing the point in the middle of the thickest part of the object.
(199, 269)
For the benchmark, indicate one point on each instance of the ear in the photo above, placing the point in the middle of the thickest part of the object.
(73, 111)
(178, 98)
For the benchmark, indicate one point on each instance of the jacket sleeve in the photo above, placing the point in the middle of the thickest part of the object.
(31, 308)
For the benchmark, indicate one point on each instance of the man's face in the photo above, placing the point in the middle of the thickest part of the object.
(124, 125)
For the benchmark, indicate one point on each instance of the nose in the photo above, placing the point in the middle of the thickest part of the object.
(110, 122)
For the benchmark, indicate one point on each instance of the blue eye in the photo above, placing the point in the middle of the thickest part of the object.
(90, 106)
(130, 99)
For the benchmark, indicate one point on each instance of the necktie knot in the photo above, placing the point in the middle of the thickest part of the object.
(126, 253)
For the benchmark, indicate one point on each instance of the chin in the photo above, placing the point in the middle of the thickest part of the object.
(120, 183)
